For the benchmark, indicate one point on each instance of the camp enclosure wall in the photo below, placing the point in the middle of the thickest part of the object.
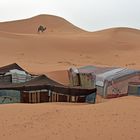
(13, 96)
(42, 96)
(48, 96)
(58, 97)
(34, 96)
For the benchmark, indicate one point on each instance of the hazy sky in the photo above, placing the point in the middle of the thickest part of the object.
(88, 14)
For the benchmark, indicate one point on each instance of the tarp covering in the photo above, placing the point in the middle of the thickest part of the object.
(91, 98)
(100, 78)
(134, 88)
(113, 75)
(43, 82)
(9, 96)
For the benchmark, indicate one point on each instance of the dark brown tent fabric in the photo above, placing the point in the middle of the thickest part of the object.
(43, 82)
(73, 91)
(9, 67)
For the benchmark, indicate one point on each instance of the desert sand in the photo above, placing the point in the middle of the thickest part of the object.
(117, 119)
(64, 45)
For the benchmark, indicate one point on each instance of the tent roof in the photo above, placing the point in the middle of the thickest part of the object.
(94, 69)
(107, 73)
(113, 75)
(9, 67)
(36, 82)
(43, 82)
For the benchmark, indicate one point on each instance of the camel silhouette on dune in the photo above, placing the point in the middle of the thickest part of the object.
(41, 29)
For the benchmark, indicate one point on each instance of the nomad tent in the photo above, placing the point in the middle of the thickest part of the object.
(9, 74)
(109, 81)
(85, 76)
(44, 89)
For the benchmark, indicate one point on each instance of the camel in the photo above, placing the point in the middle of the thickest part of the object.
(41, 29)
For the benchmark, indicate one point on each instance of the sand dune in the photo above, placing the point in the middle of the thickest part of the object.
(64, 45)
(29, 26)
(61, 76)
(116, 119)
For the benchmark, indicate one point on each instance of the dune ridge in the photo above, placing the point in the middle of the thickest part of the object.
(64, 45)
(30, 25)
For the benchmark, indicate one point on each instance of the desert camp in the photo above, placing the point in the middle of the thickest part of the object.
(70, 70)
(84, 83)
(39, 89)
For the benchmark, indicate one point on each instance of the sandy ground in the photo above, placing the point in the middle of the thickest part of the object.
(117, 119)
(53, 52)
